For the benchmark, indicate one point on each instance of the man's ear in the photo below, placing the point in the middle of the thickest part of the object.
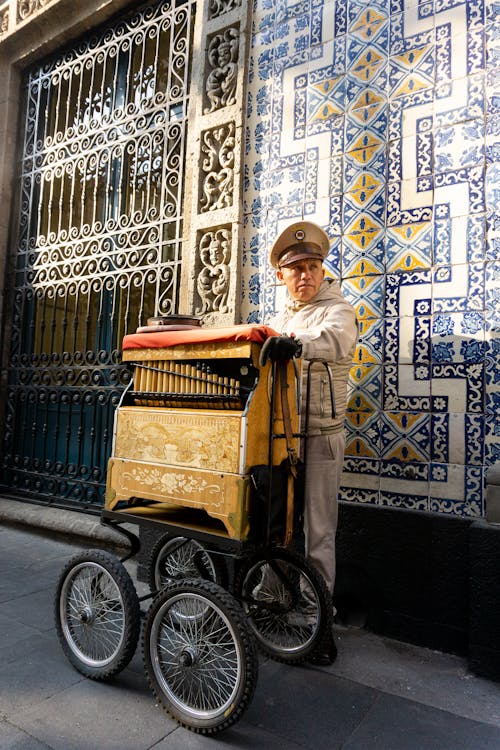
(279, 275)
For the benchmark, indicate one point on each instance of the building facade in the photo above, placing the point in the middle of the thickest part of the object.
(150, 154)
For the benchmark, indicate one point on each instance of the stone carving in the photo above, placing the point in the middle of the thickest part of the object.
(217, 8)
(213, 280)
(223, 58)
(218, 164)
(4, 20)
(26, 8)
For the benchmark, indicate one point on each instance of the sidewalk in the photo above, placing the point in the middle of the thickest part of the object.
(379, 695)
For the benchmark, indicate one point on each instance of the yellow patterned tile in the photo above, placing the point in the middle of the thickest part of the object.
(368, 24)
(411, 57)
(363, 355)
(367, 99)
(363, 232)
(410, 85)
(360, 447)
(410, 233)
(405, 451)
(368, 65)
(408, 247)
(404, 421)
(364, 187)
(364, 148)
(360, 269)
(360, 372)
(360, 405)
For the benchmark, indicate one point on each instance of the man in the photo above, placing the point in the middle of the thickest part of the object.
(318, 323)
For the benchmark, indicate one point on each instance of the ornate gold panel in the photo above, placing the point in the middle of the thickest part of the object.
(222, 496)
(179, 437)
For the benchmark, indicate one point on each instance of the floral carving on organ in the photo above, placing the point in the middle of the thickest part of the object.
(213, 280)
(223, 59)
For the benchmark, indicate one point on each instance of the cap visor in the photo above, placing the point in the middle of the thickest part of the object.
(300, 256)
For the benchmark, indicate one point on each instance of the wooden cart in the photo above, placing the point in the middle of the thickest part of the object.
(205, 451)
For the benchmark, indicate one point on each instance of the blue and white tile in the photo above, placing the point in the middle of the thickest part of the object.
(354, 495)
(408, 293)
(459, 288)
(459, 146)
(493, 237)
(458, 337)
(492, 361)
(450, 199)
(360, 480)
(406, 498)
(415, 474)
(406, 387)
(493, 186)
(492, 296)
(492, 433)
(474, 439)
(457, 490)
(458, 387)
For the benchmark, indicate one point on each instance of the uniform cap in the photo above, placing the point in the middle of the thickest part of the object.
(300, 241)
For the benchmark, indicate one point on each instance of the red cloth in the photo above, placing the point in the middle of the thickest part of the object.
(163, 339)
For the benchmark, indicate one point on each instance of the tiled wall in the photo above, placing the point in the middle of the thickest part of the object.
(378, 120)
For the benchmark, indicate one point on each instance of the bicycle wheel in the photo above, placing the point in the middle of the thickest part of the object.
(176, 558)
(97, 614)
(286, 602)
(199, 656)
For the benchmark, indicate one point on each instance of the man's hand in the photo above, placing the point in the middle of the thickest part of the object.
(279, 349)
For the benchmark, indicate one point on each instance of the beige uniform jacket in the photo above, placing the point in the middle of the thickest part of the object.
(328, 330)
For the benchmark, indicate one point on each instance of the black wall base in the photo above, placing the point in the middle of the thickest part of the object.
(484, 641)
(422, 578)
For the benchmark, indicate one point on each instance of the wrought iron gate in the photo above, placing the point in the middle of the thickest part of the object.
(98, 242)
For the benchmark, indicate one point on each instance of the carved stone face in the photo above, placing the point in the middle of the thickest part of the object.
(215, 252)
(224, 54)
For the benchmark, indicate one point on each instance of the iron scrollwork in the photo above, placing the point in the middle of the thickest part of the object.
(99, 240)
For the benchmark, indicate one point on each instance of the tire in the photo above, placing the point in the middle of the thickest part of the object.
(97, 614)
(199, 656)
(286, 602)
(177, 558)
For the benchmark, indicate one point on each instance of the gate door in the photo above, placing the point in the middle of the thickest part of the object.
(98, 242)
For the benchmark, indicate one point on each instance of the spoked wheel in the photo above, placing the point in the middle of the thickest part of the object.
(177, 558)
(97, 614)
(199, 655)
(286, 602)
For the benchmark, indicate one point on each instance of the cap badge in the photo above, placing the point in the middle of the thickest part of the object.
(299, 235)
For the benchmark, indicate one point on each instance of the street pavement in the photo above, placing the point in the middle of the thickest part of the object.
(380, 694)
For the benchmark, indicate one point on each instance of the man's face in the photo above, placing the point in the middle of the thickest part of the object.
(302, 279)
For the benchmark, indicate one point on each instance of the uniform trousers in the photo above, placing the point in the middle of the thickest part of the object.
(324, 461)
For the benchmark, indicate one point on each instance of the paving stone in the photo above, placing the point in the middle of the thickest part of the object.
(380, 694)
